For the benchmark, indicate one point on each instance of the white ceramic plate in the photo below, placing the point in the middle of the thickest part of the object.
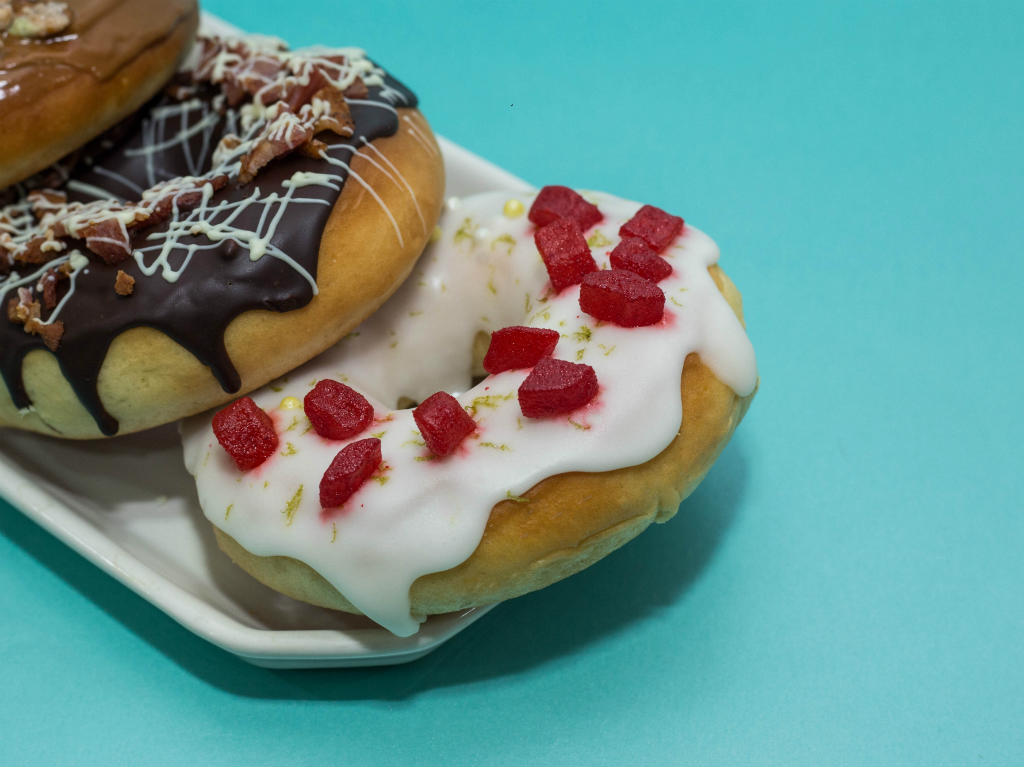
(129, 506)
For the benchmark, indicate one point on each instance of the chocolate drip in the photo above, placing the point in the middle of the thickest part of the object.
(221, 281)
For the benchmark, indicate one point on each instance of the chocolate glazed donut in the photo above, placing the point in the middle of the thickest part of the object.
(258, 278)
(97, 62)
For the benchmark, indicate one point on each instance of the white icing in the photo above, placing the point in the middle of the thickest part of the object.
(420, 515)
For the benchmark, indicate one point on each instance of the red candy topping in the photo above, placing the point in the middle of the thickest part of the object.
(622, 297)
(635, 255)
(246, 433)
(556, 387)
(554, 202)
(518, 347)
(351, 467)
(337, 411)
(443, 423)
(566, 254)
(654, 226)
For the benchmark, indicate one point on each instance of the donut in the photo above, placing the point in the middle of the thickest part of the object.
(260, 208)
(616, 369)
(70, 70)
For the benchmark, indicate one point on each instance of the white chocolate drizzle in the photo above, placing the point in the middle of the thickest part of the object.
(420, 515)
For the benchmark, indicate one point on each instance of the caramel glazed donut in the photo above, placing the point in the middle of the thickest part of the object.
(70, 70)
(261, 207)
(547, 470)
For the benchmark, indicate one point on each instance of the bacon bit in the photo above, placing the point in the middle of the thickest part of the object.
(304, 100)
(51, 332)
(33, 252)
(229, 143)
(338, 117)
(47, 285)
(256, 74)
(233, 92)
(124, 285)
(280, 136)
(184, 194)
(294, 93)
(314, 149)
(46, 201)
(357, 90)
(213, 47)
(108, 239)
(24, 308)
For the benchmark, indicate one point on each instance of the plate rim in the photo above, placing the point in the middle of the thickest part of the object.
(278, 648)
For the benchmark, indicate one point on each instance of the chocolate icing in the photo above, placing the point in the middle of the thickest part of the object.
(221, 281)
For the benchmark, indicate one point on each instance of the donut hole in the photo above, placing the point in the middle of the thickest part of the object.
(477, 350)
(481, 341)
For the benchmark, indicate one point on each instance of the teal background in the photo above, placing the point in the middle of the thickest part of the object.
(846, 586)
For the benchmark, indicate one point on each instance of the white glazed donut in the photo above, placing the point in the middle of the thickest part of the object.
(424, 516)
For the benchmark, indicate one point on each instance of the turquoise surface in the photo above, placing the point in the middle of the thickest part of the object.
(848, 583)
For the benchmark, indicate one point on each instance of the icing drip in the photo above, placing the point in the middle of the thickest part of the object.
(425, 515)
(246, 246)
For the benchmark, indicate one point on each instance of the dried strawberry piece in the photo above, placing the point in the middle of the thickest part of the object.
(622, 297)
(337, 411)
(555, 202)
(654, 226)
(566, 254)
(351, 467)
(443, 423)
(246, 433)
(635, 255)
(518, 347)
(556, 387)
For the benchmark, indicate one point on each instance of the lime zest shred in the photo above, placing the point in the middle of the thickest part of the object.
(292, 506)
(466, 232)
(496, 446)
(505, 239)
(487, 400)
